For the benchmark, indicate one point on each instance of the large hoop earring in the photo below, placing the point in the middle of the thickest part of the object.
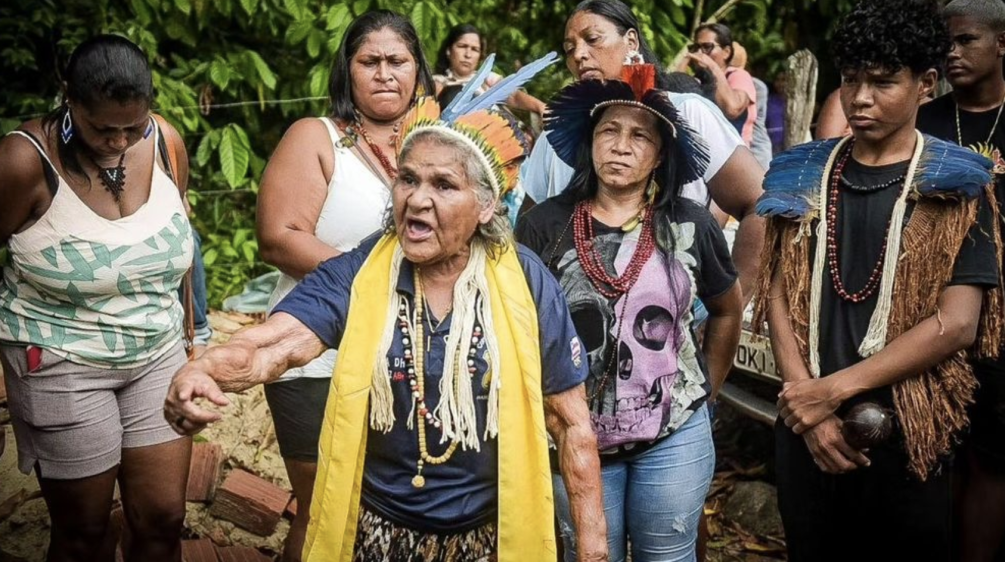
(66, 129)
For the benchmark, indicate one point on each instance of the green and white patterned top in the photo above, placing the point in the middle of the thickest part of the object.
(99, 292)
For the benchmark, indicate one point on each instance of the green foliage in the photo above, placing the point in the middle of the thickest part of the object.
(208, 53)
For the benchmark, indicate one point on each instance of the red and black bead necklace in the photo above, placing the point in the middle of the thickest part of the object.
(385, 162)
(832, 240)
(590, 259)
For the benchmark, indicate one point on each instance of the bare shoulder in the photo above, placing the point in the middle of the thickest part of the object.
(20, 163)
(23, 191)
(309, 132)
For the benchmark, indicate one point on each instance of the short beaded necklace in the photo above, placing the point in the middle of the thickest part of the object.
(113, 178)
(832, 242)
(415, 368)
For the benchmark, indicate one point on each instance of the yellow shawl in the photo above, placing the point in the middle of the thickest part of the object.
(526, 508)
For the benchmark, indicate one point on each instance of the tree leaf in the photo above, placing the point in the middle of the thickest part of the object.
(319, 82)
(141, 10)
(298, 31)
(185, 6)
(249, 6)
(295, 8)
(314, 41)
(264, 72)
(209, 256)
(359, 7)
(420, 19)
(337, 17)
(250, 251)
(233, 157)
(219, 73)
(205, 150)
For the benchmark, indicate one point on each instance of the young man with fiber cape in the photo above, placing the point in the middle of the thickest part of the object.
(879, 282)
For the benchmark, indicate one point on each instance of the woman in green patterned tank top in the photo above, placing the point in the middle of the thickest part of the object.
(90, 320)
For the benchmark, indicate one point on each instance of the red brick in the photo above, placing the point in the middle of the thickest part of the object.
(291, 510)
(203, 472)
(241, 554)
(250, 502)
(198, 550)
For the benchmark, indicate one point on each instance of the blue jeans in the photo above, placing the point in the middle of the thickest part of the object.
(654, 498)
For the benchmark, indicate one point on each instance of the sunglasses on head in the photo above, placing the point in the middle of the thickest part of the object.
(706, 48)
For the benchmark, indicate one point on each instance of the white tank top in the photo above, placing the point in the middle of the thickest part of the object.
(96, 291)
(354, 209)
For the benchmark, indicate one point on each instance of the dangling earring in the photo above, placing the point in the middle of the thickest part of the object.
(651, 189)
(633, 57)
(66, 130)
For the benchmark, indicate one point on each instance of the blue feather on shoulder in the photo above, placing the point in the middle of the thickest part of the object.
(792, 183)
(950, 171)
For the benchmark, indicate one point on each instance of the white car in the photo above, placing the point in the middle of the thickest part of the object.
(753, 383)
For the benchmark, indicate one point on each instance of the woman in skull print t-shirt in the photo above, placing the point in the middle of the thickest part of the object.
(632, 257)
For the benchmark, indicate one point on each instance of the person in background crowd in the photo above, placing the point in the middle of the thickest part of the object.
(903, 289)
(971, 116)
(457, 60)
(325, 189)
(92, 213)
(760, 143)
(650, 380)
(711, 57)
(599, 36)
(774, 119)
(831, 122)
(435, 443)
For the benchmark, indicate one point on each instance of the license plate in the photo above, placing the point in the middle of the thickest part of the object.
(754, 356)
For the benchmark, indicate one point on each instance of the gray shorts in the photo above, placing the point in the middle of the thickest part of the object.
(74, 420)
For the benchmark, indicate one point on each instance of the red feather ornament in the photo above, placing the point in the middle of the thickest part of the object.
(641, 77)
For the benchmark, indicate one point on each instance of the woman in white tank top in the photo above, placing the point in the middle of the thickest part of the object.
(99, 240)
(326, 188)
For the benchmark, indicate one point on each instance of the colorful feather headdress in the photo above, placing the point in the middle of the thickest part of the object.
(495, 137)
(570, 116)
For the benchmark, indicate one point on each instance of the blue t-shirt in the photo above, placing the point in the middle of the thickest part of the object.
(464, 489)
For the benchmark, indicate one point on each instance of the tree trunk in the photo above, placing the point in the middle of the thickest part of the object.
(801, 95)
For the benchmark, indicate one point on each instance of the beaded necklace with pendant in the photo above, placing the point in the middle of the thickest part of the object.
(415, 368)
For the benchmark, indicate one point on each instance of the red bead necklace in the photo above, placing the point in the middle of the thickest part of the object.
(385, 162)
(832, 241)
(589, 258)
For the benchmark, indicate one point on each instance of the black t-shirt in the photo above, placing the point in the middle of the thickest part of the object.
(657, 377)
(862, 220)
(938, 118)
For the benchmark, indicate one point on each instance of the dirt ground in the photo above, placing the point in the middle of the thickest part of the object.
(248, 440)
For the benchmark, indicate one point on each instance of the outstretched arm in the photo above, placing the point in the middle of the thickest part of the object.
(568, 421)
(254, 356)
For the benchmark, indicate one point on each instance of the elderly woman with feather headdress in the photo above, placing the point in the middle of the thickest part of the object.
(457, 360)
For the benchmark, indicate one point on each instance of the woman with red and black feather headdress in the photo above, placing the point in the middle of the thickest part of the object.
(632, 256)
